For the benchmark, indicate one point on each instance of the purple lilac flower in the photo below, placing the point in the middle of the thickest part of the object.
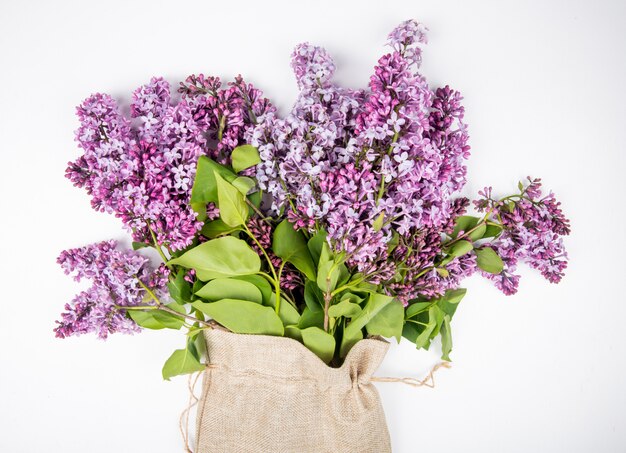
(533, 228)
(403, 38)
(342, 159)
(225, 114)
(312, 65)
(144, 174)
(115, 277)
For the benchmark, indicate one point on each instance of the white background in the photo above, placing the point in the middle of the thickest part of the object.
(542, 371)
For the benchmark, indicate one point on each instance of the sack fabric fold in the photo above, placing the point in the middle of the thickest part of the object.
(267, 394)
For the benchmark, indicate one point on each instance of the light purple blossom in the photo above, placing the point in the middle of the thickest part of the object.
(115, 276)
(534, 226)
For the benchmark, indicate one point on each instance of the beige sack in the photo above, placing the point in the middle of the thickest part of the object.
(266, 394)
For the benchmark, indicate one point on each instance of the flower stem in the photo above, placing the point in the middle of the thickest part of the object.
(269, 262)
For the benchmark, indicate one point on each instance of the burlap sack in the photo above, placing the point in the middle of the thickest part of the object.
(265, 394)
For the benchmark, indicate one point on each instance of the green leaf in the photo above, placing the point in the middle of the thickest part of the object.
(243, 184)
(492, 231)
(478, 233)
(379, 222)
(155, 319)
(351, 297)
(230, 288)
(293, 332)
(464, 223)
(442, 271)
(450, 300)
(313, 297)
(222, 257)
(242, 316)
(261, 283)
(140, 245)
(417, 307)
(446, 338)
(410, 331)
(204, 188)
(290, 245)
(328, 274)
(388, 322)
(349, 339)
(316, 243)
(199, 343)
(232, 204)
(244, 156)
(311, 318)
(488, 260)
(179, 288)
(344, 308)
(374, 305)
(320, 342)
(287, 312)
(217, 228)
(435, 319)
(461, 248)
(182, 361)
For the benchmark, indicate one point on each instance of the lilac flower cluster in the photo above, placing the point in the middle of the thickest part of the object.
(224, 114)
(534, 226)
(115, 277)
(365, 164)
(144, 174)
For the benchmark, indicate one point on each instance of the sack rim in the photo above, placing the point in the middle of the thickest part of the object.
(375, 340)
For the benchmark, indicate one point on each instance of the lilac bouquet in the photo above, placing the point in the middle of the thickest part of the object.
(341, 220)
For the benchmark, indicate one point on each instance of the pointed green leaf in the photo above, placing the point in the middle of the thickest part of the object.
(417, 307)
(231, 202)
(244, 156)
(217, 228)
(315, 245)
(182, 361)
(388, 322)
(287, 312)
(242, 316)
(378, 223)
(313, 296)
(320, 342)
(204, 188)
(155, 319)
(222, 257)
(311, 318)
(243, 184)
(464, 223)
(446, 338)
(461, 248)
(478, 233)
(290, 245)
(374, 305)
(261, 283)
(230, 288)
(179, 288)
(488, 260)
(344, 308)
(492, 231)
